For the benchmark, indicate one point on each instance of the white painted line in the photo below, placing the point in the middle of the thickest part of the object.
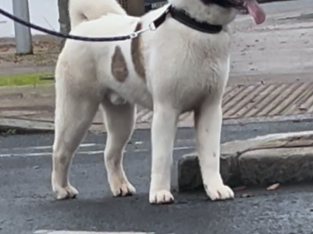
(46, 147)
(86, 232)
(81, 152)
(175, 149)
(24, 155)
(85, 149)
(47, 154)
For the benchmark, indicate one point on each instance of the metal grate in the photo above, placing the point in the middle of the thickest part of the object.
(253, 101)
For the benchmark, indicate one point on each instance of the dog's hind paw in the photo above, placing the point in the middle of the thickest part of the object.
(69, 192)
(161, 197)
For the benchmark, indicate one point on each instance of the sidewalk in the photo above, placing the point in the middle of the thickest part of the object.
(271, 76)
(33, 108)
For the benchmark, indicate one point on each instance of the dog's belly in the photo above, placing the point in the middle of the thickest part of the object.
(134, 91)
(185, 92)
(140, 96)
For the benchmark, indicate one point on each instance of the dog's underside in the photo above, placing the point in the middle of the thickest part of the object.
(171, 70)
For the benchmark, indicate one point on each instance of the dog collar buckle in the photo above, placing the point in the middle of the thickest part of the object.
(137, 33)
(152, 26)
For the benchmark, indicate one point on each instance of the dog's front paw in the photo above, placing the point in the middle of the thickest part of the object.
(122, 189)
(218, 191)
(161, 197)
(67, 192)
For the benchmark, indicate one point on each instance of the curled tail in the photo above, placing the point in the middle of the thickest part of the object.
(85, 10)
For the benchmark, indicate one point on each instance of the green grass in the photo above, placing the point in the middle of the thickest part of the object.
(33, 79)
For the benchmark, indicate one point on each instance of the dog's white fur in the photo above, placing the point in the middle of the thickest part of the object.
(82, 10)
(185, 71)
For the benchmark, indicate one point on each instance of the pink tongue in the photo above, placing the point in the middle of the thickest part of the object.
(255, 11)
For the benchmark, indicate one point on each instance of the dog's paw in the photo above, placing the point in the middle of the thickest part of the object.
(161, 197)
(122, 189)
(68, 192)
(219, 192)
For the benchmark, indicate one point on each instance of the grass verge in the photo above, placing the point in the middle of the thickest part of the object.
(33, 79)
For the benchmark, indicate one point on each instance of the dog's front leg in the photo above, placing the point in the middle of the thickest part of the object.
(208, 121)
(163, 134)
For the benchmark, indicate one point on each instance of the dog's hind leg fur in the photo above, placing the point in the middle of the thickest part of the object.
(75, 110)
(119, 121)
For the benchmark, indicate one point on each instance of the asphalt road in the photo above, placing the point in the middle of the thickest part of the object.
(26, 203)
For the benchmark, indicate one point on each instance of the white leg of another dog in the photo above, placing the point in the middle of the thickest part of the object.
(163, 136)
(119, 121)
(73, 115)
(208, 121)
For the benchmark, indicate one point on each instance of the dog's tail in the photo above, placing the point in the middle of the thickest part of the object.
(85, 10)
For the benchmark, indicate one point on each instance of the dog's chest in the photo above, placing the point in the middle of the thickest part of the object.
(184, 69)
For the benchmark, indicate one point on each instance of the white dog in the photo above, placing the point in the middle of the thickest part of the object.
(181, 66)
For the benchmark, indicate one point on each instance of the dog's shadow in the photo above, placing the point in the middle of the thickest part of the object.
(122, 214)
(109, 213)
(136, 204)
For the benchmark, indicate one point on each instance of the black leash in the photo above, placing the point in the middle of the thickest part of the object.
(179, 15)
(153, 26)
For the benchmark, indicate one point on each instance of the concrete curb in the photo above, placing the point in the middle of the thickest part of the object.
(276, 158)
(25, 125)
(28, 126)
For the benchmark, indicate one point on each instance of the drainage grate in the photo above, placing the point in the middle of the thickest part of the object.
(268, 100)
(256, 100)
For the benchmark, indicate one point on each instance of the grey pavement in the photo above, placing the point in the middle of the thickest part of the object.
(27, 205)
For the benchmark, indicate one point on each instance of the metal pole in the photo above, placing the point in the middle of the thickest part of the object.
(136, 7)
(64, 19)
(23, 35)
(133, 7)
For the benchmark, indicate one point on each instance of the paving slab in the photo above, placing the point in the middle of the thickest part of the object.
(271, 74)
(32, 108)
(274, 158)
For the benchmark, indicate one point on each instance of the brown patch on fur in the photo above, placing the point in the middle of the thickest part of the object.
(136, 53)
(118, 65)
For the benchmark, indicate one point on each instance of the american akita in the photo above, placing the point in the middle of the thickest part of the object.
(181, 66)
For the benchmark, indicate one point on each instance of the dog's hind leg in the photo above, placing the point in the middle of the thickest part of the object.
(74, 113)
(119, 121)
(208, 123)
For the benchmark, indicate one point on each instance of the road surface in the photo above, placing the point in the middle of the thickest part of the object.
(26, 203)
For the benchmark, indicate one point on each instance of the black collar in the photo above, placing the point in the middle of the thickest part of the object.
(182, 17)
